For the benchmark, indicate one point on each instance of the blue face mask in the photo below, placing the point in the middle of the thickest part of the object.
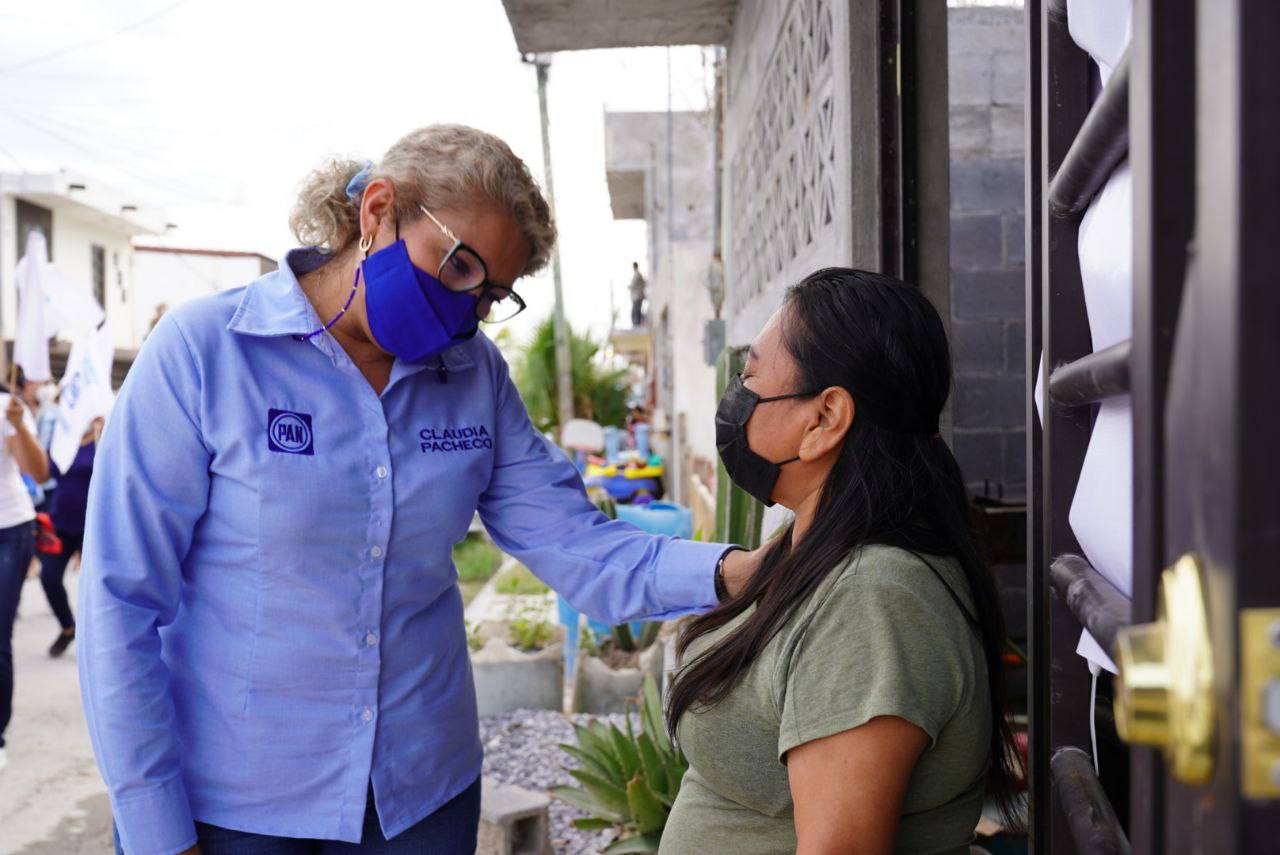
(412, 315)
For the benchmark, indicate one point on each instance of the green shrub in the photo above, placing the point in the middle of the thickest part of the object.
(520, 581)
(530, 632)
(475, 636)
(628, 642)
(476, 558)
(629, 781)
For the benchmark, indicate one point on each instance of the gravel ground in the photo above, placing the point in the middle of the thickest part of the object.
(521, 748)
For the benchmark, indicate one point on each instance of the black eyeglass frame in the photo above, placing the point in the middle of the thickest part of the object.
(486, 287)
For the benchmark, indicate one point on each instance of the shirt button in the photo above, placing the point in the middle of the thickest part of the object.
(376, 552)
(371, 639)
(382, 472)
(367, 715)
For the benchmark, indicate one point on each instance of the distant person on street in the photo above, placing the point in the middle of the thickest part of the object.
(67, 509)
(270, 635)
(46, 418)
(20, 454)
(162, 309)
(637, 295)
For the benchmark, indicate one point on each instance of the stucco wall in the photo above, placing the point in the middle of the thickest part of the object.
(676, 160)
(73, 237)
(175, 278)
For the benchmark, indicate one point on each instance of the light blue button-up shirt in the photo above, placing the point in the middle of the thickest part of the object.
(269, 614)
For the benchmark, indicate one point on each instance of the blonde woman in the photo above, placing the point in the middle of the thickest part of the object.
(272, 651)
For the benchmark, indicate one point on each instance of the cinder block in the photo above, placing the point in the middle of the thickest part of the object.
(1009, 78)
(980, 454)
(977, 241)
(1015, 345)
(970, 129)
(980, 184)
(1015, 238)
(984, 29)
(990, 402)
(1007, 130)
(977, 347)
(988, 294)
(969, 79)
(1015, 457)
(513, 821)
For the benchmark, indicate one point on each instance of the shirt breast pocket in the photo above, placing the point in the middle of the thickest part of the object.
(311, 520)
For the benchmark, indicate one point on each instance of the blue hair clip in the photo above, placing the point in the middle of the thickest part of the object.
(358, 181)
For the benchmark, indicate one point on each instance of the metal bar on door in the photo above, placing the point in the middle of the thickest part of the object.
(1065, 336)
(1099, 147)
(1037, 601)
(1096, 603)
(1095, 830)
(1091, 378)
(1162, 95)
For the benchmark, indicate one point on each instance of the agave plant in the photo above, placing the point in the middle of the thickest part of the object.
(628, 780)
(626, 640)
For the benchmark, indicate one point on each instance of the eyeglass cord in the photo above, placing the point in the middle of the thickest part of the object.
(354, 285)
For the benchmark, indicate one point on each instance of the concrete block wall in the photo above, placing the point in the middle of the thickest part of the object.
(986, 78)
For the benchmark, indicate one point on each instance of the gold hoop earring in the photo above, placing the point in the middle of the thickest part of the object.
(366, 243)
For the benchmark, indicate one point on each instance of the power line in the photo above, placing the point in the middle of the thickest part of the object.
(166, 184)
(15, 160)
(61, 52)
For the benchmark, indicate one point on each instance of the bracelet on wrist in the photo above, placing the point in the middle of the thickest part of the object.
(722, 590)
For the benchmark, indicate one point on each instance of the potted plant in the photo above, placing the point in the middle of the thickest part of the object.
(521, 669)
(628, 780)
(610, 670)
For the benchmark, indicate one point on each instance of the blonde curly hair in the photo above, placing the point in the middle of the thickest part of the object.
(447, 167)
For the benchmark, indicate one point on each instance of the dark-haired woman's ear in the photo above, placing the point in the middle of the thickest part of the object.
(833, 414)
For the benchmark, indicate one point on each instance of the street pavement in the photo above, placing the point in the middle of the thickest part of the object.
(52, 799)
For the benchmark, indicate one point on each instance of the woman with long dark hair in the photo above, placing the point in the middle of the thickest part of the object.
(850, 698)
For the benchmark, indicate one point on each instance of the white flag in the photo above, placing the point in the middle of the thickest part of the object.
(48, 304)
(30, 338)
(86, 393)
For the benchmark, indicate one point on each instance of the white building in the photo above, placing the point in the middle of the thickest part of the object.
(170, 276)
(661, 168)
(89, 227)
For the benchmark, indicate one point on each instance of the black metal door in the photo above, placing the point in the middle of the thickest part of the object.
(1222, 490)
(1196, 111)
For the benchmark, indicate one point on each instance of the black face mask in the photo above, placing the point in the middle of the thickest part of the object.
(747, 469)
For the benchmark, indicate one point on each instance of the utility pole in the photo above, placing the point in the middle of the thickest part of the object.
(564, 374)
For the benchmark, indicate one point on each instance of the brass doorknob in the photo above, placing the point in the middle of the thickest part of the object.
(1165, 694)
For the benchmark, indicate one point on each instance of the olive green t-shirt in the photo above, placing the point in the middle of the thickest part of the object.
(880, 636)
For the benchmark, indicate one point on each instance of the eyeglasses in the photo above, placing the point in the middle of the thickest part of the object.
(464, 270)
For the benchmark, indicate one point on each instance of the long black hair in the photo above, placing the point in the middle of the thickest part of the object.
(894, 482)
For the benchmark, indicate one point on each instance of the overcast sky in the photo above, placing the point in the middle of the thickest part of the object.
(215, 110)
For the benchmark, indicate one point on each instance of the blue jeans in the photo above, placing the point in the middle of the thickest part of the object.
(53, 568)
(17, 544)
(451, 830)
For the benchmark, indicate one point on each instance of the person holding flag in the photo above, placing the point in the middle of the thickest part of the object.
(48, 303)
(20, 452)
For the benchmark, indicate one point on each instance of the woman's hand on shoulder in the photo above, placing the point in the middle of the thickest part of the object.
(848, 788)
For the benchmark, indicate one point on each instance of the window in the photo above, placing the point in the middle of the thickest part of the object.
(99, 274)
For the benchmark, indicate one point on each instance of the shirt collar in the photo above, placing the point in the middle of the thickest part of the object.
(274, 305)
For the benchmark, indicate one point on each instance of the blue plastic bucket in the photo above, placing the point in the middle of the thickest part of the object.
(659, 518)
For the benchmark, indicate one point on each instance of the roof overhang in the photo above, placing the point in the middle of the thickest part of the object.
(86, 199)
(543, 26)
